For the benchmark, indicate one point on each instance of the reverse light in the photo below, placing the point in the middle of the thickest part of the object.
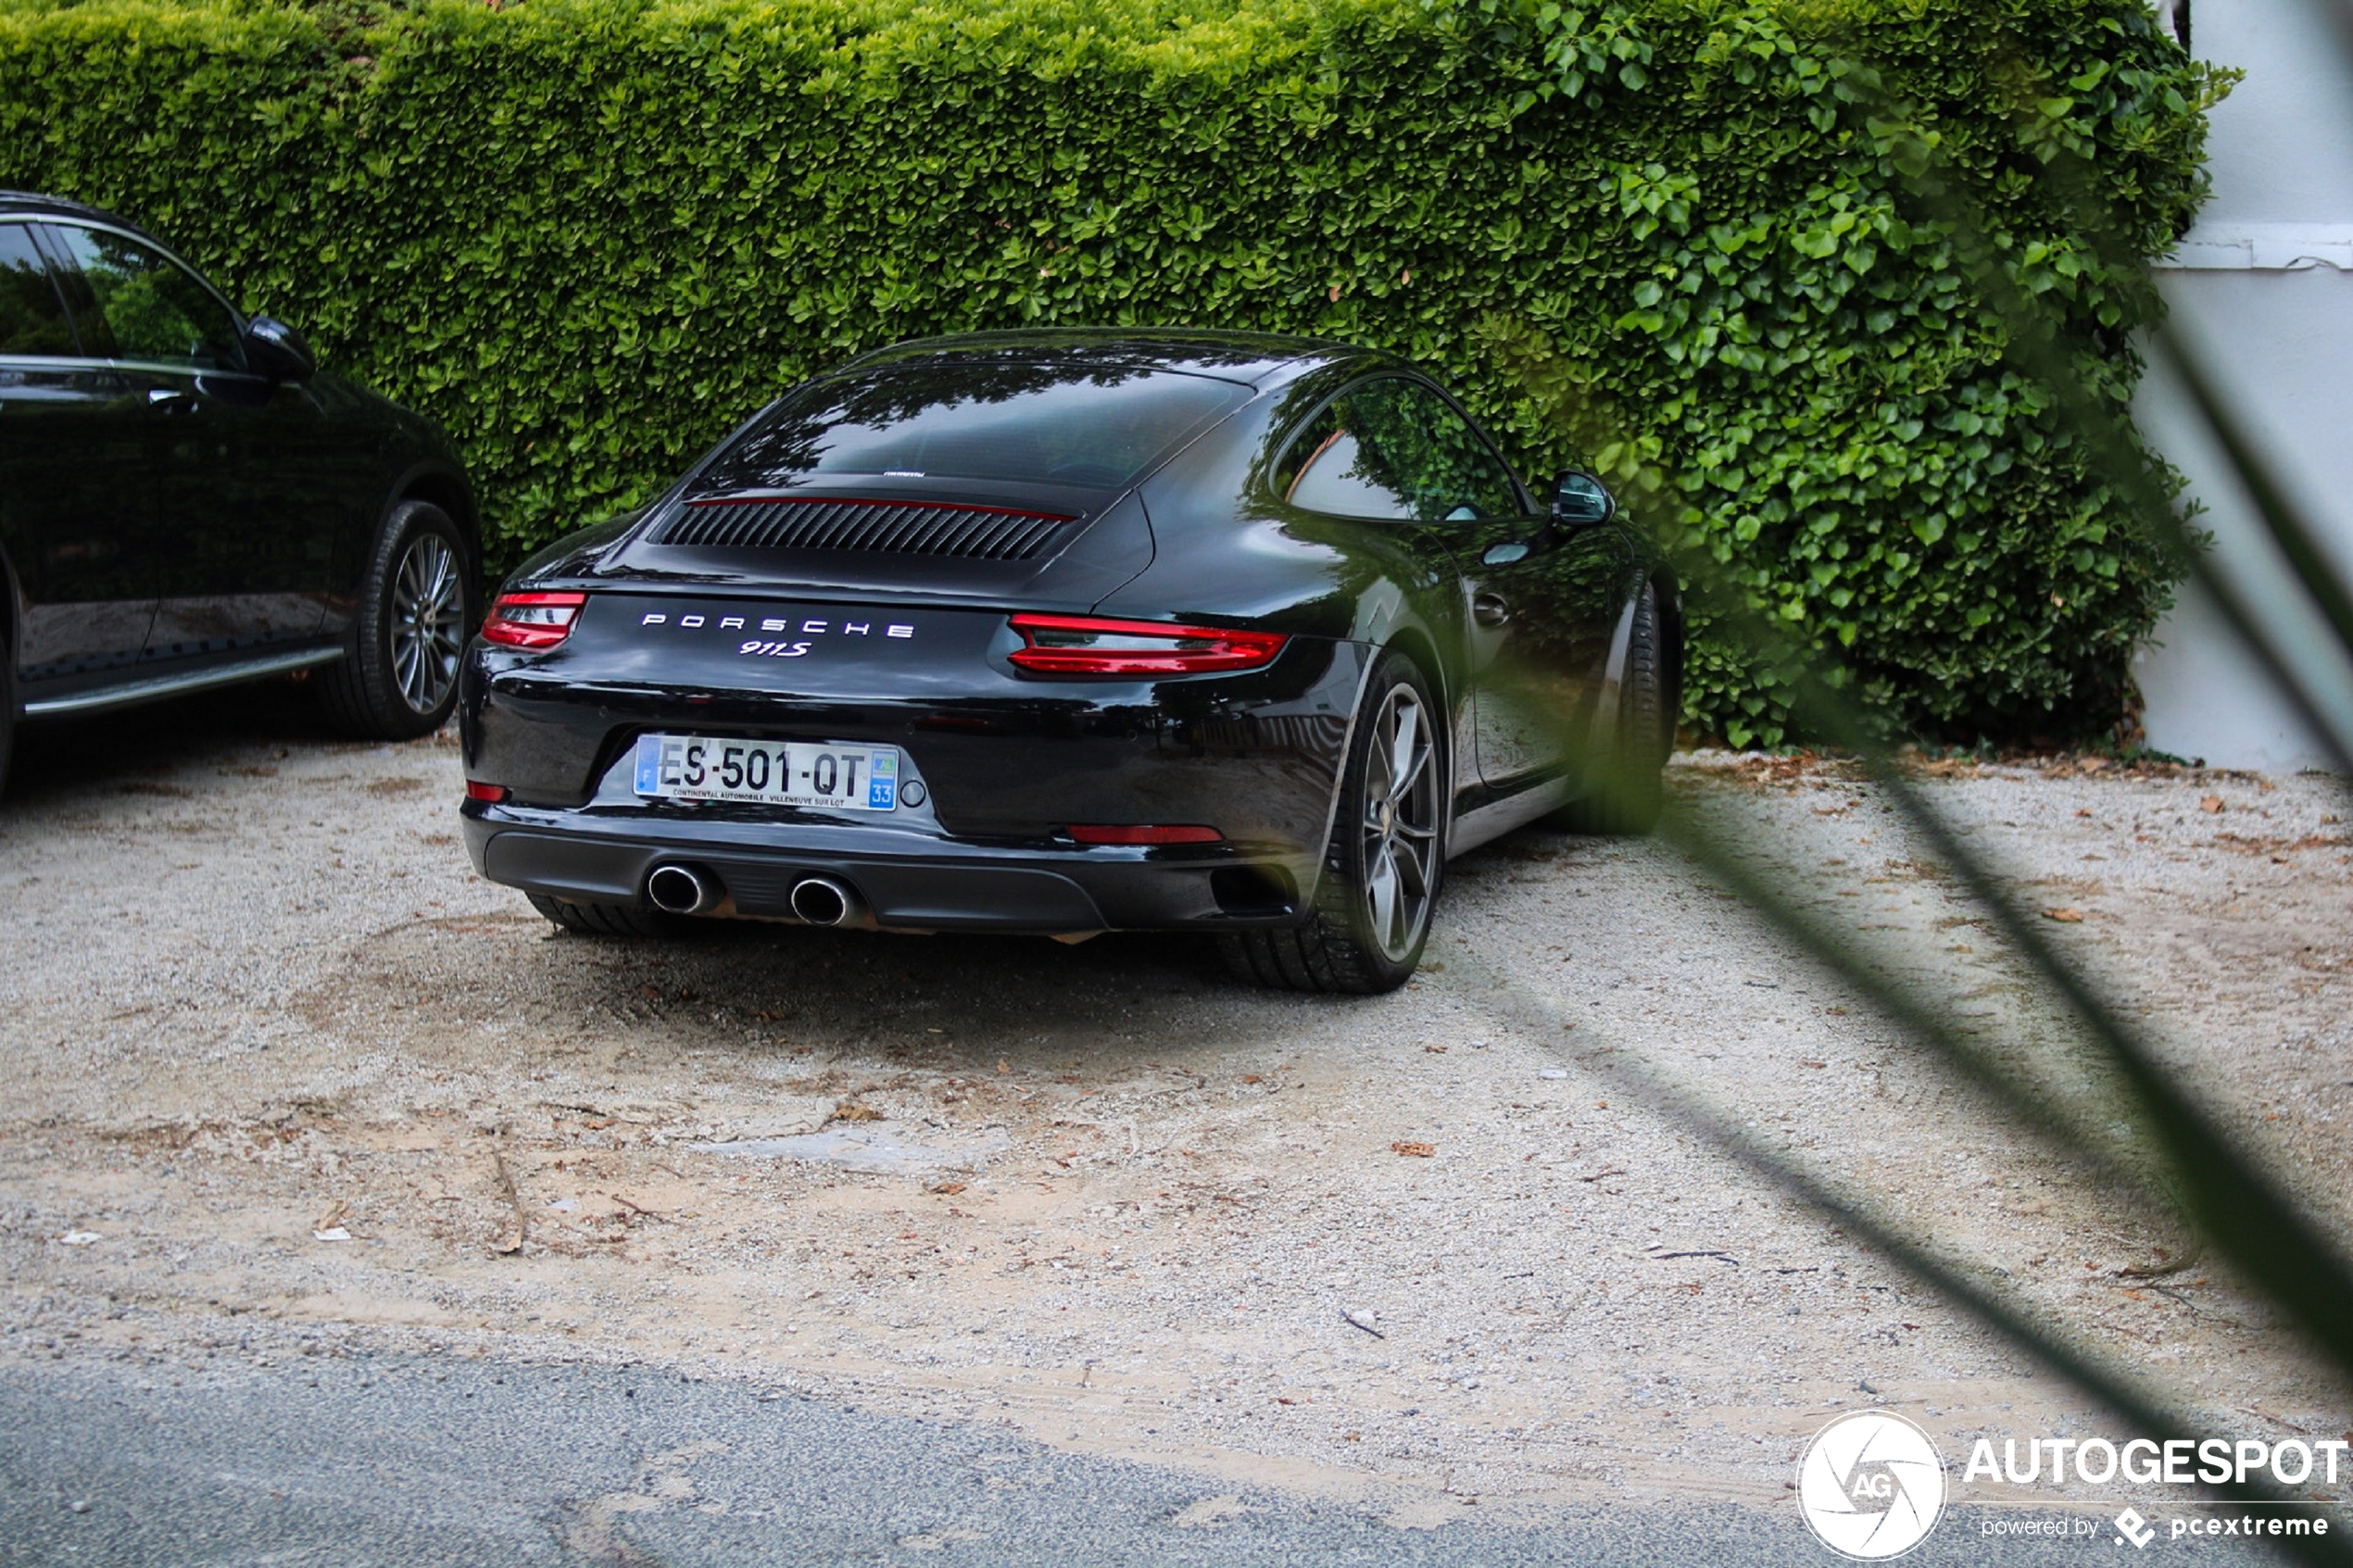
(1086, 644)
(537, 621)
(489, 793)
(1142, 833)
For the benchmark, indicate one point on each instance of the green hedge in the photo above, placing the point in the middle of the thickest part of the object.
(1668, 237)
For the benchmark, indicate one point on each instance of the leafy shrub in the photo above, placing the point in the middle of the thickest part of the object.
(1673, 239)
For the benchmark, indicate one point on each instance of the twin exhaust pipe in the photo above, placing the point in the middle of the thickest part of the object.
(682, 890)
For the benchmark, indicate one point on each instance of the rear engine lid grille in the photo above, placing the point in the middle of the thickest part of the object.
(910, 528)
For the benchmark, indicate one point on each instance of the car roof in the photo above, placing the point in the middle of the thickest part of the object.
(1249, 358)
(61, 206)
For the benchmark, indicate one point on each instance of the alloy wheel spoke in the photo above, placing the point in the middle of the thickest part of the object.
(1402, 745)
(1383, 891)
(1411, 868)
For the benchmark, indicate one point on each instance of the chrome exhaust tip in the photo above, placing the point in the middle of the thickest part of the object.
(821, 901)
(680, 891)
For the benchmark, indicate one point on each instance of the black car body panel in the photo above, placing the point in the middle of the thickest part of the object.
(173, 520)
(730, 634)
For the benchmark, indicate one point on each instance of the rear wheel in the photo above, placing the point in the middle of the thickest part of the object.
(1624, 791)
(417, 605)
(606, 920)
(1387, 856)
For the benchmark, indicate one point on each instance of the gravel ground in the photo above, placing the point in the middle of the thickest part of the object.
(255, 997)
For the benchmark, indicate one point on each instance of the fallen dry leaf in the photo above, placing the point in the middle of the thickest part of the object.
(1435, 1050)
(857, 1113)
(2065, 917)
(1419, 1150)
(2211, 803)
(334, 1216)
(1253, 1078)
(947, 1190)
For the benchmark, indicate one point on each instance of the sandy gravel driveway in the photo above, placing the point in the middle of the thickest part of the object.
(301, 1080)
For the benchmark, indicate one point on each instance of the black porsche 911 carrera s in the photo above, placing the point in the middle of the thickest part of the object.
(1065, 632)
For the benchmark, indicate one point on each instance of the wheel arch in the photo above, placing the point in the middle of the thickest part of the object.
(1416, 643)
(447, 488)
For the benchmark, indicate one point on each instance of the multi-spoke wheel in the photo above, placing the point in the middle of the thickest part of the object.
(428, 622)
(1401, 848)
(1387, 856)
(417, 604)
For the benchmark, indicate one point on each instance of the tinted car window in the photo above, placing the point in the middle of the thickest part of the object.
(1023, 422)
(32, 318)
(135, 303)
(1393, 449)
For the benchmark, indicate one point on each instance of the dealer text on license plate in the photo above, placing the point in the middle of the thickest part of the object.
(767, 773)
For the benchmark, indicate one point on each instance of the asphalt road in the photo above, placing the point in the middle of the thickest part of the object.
(361, 1461)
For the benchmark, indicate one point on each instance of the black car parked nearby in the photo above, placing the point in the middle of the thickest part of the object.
(186, 502)
(1072, 632)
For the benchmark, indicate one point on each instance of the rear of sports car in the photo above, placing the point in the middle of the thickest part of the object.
(852, 671)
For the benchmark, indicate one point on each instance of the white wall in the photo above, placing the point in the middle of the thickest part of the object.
(2265, 284)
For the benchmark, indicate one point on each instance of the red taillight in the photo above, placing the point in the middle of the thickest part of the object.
(1084, 644)
(477, 790)
(537, 621)
(1138, 833)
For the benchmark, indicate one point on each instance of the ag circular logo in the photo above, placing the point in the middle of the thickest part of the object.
(1870, 1486)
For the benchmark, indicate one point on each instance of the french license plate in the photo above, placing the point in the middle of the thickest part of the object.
(767, 773)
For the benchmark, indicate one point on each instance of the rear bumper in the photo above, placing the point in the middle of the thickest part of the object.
(908, 881)
(1008, 765)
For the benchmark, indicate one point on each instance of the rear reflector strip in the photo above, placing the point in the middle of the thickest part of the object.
(490, 793)
(1088, 645)
(533, 621)
(1125, 833)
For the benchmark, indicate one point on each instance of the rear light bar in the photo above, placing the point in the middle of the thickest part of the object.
(1125, 833)
(537, 622)
(1086, 644)
(490, 793)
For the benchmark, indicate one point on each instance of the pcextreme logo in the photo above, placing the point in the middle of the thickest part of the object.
(1871, 1485)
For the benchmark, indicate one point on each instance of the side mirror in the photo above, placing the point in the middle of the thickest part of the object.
(276, 350)
(1581, 501)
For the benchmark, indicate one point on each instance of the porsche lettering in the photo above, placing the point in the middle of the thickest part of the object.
(812, 628)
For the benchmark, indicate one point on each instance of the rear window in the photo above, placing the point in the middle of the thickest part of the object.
(1020, 423)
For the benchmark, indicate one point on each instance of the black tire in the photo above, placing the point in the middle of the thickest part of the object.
(1624, 791)
(1383, 829)
(606, 920)
(418, 602)
(8, 705)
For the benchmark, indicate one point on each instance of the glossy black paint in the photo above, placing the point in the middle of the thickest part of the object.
(177, 518)
(1520, 651)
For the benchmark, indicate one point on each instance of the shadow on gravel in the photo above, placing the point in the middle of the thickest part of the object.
(751, 994)
(60, 757)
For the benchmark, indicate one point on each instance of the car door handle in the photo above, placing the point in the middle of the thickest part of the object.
(172, 400)
(1488, 610)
